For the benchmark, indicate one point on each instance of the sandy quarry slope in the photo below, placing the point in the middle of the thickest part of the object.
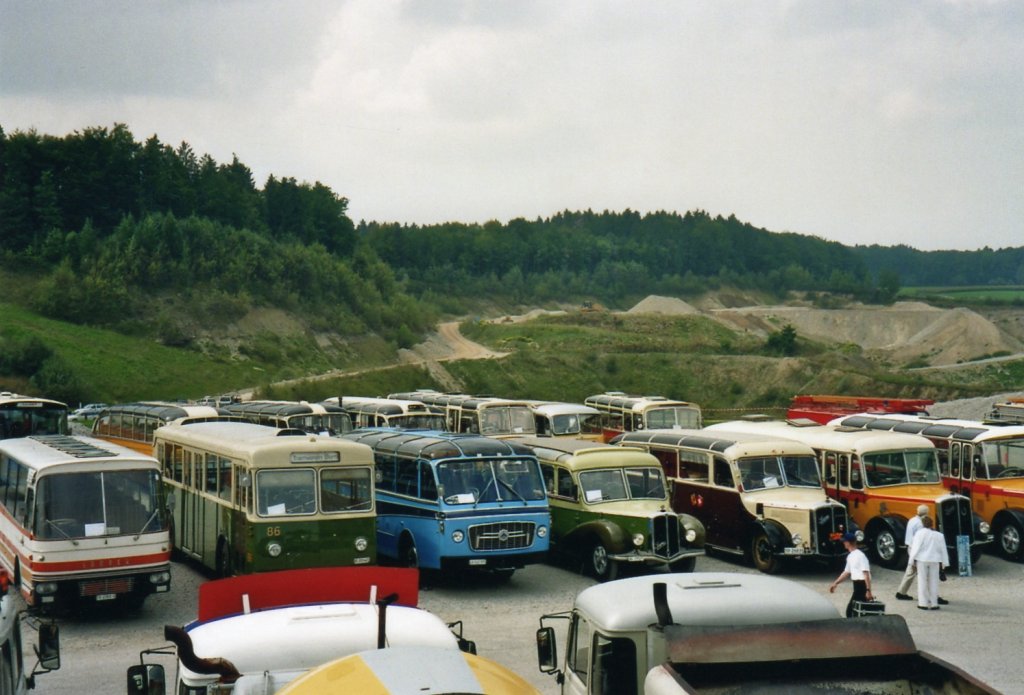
(904, 332)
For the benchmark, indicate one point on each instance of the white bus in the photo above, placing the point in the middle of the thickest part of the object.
(575, 420)
(486, 415)
(390, 412)
(21, 416)
(81, 520)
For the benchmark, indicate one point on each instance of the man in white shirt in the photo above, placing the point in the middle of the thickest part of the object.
(858, 569)
(928, 551)
(913, 526)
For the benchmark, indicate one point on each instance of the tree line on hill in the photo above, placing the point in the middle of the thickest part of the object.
(105, 223)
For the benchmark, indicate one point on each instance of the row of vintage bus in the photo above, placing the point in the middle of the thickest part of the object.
(83, 518)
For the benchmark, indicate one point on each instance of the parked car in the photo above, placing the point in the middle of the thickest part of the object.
(89, 411)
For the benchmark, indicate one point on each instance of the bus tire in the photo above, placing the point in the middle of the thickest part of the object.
(885, 547)
(762, 554)
(1010, 537)
(407, 555)
(601, 566)
(224, 565)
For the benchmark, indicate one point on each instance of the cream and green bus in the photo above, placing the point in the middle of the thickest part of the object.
(624, 413)
(250, 498)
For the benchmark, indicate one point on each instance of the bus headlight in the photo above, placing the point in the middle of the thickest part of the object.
(797, 540)
(46, 588)
(457, 536)
(362, 544)
(638, 540)
(691, 535)
(542, 531)
(273, 548)
(160, 578)
(984, 527)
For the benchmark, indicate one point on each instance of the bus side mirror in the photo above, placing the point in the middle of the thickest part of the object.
(146, 679)
(547, 650)
(48, 651)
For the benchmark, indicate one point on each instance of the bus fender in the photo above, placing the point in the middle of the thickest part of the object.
(894, 522)
(687, 522)
(777, 534)
(612, 536)
(1013, 513)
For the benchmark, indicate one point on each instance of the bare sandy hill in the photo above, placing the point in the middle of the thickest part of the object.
(663, 305)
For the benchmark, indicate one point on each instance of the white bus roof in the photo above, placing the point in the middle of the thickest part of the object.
(828, 437)
(728, 442)
(970, 430)
(299, 638)
(242, 439)
(704, 598)
(43, 452)
(552, 408)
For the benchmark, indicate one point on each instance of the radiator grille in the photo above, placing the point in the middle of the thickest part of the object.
(116, 585)
(955, 519)
(829, 525)
(665, 535)
(503, 535)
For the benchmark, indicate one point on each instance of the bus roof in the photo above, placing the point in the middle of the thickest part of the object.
(820, 436)
(282, 408)
(704, 598)
(618, 399)
(243, 439)
(552, 408)
(167, 412)
(382, 406)
(964, 430)
(402, 670)
(430, 444)
(723, 441)
(8, 398)
(45, 451)
(584, 453)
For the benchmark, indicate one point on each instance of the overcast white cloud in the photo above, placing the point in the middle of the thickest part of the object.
(863, 122)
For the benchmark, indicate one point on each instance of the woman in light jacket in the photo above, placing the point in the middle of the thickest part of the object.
(928, 552)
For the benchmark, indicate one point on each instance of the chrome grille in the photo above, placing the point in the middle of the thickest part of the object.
(503, 535)
(665, 535)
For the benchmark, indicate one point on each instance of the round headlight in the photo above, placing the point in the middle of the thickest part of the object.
(638, 539)
(273, 548)
(984, 527)
(362, 544)
(159, 577)
(542, 531)
(860, 536)
(691, 535)
(46, 588)
(797, 539)
(457, 536)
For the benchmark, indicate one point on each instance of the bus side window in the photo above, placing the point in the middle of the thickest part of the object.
(830, 468)
(856, 479)
(669, 462)
(428, 486)
(566, 485)
(694, 466)
(844, 470)
(385, 472)
(723, 473)
(243, 497)
(547, 471)
(406, 483)
(225, 478)
(954, 460)
(942, 452)
(4, 477)
(211, 472)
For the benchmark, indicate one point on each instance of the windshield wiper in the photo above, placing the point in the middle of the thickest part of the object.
(484, 491)
(62, 532)
(143, 529)
(512, 490)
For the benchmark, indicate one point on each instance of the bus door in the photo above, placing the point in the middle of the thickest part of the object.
(961, 467)
(724, 505)
(830, 475)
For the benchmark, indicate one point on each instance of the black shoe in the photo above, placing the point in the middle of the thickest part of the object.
(934, 608)
(922, 608)
(904, 597)
(943, 602)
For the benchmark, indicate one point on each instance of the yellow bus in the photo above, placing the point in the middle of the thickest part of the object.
(250, 498)
(624, 413)
(133, 424)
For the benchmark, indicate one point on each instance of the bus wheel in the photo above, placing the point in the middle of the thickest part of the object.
(601, 566)
(224, 564)
(762, 555)
(1010, 535)
(407, 555)
(885, 548)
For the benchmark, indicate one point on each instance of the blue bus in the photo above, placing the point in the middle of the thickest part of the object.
(449, 501)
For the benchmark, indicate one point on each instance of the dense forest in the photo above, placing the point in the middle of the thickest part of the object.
(99, 228)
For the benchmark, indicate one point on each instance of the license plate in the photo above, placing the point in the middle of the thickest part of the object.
(476, 561)
(794, 551)
(105, 597)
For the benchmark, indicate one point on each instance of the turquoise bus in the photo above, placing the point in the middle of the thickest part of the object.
(450, 502)
(250, 498)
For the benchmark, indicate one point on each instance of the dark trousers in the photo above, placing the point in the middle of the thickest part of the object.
(860, 593)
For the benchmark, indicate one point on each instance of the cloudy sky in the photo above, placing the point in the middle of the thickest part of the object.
(859, 121)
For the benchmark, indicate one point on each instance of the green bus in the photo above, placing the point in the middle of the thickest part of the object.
(248, 498)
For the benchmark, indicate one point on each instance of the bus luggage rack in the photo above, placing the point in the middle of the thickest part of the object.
(99, 587)
(507, 535)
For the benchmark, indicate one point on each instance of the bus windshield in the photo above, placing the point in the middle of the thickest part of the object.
(673, 418)
(613, 484)
(762, 472)
(418, 421)
(901, 467)
(25, 419)
(293, 492)
(1003, 458)
(110, 503)
(576, 423)
(506, 420)
(470, 482)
